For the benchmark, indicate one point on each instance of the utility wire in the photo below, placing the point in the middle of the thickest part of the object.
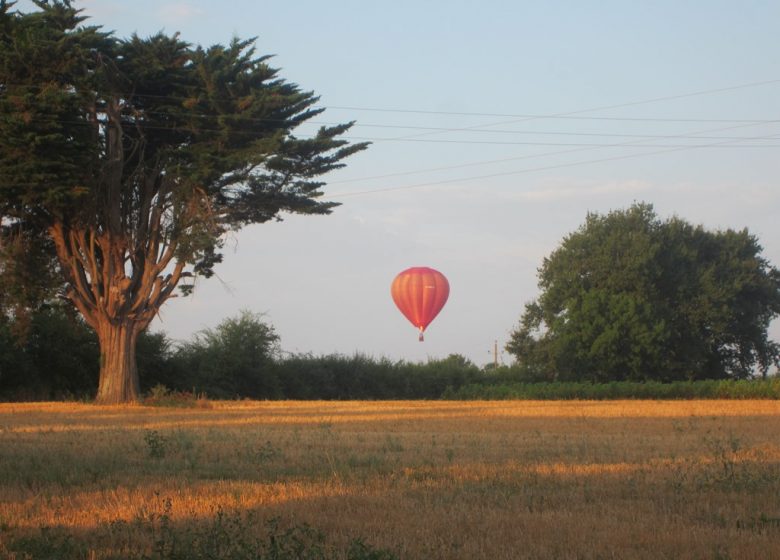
(643, 138)
(533, 156)
(576, 115)
(573, 114)
(581, 118)
(568, 115)
(616, 106)
(582, 144)
(522, 171)
(551, 133)
(144, 123)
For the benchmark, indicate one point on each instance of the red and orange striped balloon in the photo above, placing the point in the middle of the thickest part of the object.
(420, 293)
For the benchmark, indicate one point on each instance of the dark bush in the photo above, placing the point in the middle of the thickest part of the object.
(235, 359)
(705, 389)
(56, 357)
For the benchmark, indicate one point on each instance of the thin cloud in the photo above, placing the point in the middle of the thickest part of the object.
(558, 192)
(176, 12)
(99, 11)
(545, 191)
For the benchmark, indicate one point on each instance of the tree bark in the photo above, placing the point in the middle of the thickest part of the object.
(117, 305)
(118, 371)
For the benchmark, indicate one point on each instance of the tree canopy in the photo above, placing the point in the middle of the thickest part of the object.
(129, 160)
(629, 296)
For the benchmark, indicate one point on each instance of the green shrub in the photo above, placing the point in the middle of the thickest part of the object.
(56, 357)
(708, 389)
(359, 376)
(235, 359)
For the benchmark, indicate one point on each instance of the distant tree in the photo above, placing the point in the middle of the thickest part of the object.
(155, 354)
(54, 355)
(629, 296)
(235, 359)
(131, 159)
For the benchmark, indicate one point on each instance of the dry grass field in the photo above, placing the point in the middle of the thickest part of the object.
(432, 480)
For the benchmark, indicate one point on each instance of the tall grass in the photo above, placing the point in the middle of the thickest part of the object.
(410, 479)
(221, 536)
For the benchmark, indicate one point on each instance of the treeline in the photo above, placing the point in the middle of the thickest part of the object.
(54, 355)
(613, 390)
(57, 357)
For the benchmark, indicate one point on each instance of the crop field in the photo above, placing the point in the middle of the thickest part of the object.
(432, 480)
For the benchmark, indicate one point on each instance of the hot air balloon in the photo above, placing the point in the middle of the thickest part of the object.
(420, 293)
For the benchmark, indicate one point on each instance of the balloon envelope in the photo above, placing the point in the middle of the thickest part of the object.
(420, 293)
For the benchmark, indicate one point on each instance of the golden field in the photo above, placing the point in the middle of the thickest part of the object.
(425, 480)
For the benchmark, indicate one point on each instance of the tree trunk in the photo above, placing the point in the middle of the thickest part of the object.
(118, 371)
(117, 305)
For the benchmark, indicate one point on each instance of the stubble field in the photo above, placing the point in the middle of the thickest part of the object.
(433, 480)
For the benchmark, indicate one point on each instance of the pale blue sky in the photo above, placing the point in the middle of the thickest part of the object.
(324, 282)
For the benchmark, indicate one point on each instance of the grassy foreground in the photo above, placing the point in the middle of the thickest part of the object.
(439, 480)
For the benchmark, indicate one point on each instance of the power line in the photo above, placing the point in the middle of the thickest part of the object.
(576, 114)
(438, 129)
(616, 106)
(581, 144)
(516, 172)
(550, 133)
(531, 156)
(572, 114)
(580, 118)
(186, 128)
(569, 115)
(580, 147)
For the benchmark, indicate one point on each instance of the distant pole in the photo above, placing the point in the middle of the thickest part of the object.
(495, 353)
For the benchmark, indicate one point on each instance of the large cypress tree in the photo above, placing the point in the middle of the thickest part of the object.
(132, 158)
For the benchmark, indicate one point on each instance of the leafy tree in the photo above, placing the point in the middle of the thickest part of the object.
(430, 380)
(130, 159)
(157, 365)
(234, 359)
(336, 376)
(629, 296)
(56, 356)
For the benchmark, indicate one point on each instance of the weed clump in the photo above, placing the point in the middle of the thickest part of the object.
(155, 444)
(160, 395)
(155, 535)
